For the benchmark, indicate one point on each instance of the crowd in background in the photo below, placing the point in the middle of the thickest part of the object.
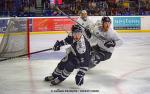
(108, 7)
(17, 7)
(73, 7)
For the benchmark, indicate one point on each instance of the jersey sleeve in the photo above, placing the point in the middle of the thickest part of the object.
(118, 40)
(68, 40)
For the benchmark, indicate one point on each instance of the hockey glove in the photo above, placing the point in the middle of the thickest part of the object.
(57, 45)
(80, 76)
(88, 33)
(109, 44)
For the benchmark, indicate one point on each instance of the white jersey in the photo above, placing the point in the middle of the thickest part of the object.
(87, 24)
(109, 35)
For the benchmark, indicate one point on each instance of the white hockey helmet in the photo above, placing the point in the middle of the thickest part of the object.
(84, 11)
(84, 15)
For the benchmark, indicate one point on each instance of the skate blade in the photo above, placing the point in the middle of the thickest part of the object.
(52, 84)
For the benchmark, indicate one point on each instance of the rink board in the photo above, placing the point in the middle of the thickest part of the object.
(51, 25)
(64, 32)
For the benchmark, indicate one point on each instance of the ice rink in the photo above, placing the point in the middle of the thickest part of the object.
(127, 72)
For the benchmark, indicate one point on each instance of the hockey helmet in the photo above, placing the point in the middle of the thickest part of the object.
(84, 12)
(106, 19)
(84, 15)
(76, 32)
(76, 28)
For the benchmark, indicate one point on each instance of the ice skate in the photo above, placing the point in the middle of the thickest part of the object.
(49, 78)
(56, 81)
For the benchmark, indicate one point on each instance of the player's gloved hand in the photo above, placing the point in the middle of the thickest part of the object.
(109, 44)
(57, 45)
(88, 33)
(79, 78)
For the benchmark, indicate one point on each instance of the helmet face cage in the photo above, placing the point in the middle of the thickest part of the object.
(76, 29)
(76, 32)
(83, 15)
(106, 19)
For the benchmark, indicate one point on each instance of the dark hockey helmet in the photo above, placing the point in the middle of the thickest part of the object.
(76, 28)
(106, 19)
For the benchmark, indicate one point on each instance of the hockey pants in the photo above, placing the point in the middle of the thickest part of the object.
(65, 67)
(98, 55)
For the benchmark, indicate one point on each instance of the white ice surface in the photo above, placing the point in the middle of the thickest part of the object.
(127, 72)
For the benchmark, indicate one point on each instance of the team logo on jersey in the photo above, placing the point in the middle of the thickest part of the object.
(81, 48)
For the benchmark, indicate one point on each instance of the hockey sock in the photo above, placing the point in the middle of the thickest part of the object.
(56, 72)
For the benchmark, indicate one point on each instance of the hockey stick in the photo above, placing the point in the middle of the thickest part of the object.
(26, 54)
(64, 30)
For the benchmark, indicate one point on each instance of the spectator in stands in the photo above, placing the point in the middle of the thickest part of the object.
(9, 6)
(26, 9)
(1, 7)
(97, 12)
(103, 12)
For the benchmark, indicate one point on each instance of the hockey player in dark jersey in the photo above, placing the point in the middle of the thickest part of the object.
(78, 57)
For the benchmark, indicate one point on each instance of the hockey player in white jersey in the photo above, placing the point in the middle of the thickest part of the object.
(78, 57)
(103, 41)
(85, 21)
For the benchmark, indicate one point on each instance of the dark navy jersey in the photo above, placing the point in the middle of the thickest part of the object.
(80, 49)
